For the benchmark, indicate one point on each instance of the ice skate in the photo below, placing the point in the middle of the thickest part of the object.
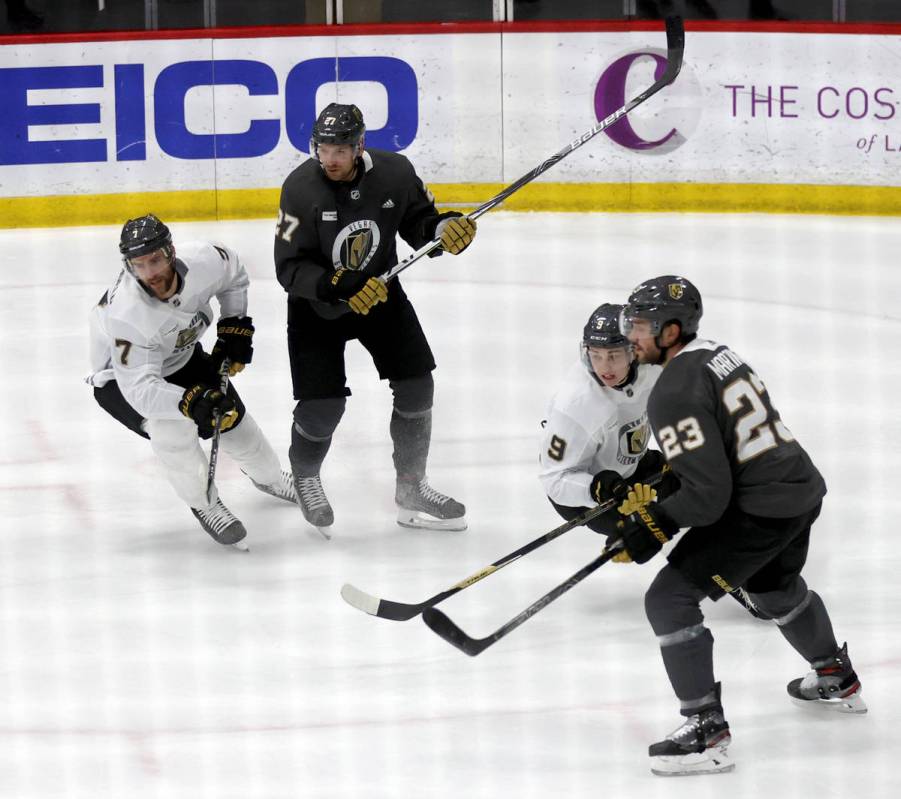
(697, 747)
(832, 685)
(421, 507)
(222, 525)
(314, 504)
(283, 489)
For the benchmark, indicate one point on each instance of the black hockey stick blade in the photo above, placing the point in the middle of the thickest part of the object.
(402, 611)
(440, 623)
(383, 608)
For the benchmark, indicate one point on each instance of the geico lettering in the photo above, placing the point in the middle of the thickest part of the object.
(18, 115)
(125, 125)
(171, 128)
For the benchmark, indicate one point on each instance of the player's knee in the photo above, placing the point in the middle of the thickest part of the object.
(413, 395)
(318, 418)
(672, 603)
(171, 435)
(780, 603)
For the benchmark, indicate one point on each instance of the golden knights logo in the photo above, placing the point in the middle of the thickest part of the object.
(676, 290)
(194, 331)
(356, 244)
(633, 440)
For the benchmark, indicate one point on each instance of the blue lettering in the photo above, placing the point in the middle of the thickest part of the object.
(127, 120)
(18, 116)
(131, 127)
(172, 133)
(395, 75)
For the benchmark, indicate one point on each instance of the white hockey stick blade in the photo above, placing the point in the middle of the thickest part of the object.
(360, 599)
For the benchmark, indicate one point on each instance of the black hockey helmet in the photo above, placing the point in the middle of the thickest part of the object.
(337, 124)
(144, 235)
(668, 298)
(602, 328)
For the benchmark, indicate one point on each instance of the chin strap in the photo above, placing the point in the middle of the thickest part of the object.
(630, 376)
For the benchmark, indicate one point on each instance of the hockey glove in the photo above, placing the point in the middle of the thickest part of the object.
(645, 531)
(201, 404)
(637, 497)
(235, 342)
(359, 290)
(607, 485)
(456, 233)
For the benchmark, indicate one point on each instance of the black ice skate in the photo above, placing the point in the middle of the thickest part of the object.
(283, 489)
(222, 525)
(832, 685)
(314, 504)
(423, 508)
(697, 747)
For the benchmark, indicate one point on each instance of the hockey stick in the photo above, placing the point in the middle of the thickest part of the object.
(401, 611)
(675, 46)
(217, 430)
(440, 623)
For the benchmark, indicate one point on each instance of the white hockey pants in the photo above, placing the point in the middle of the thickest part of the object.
(185, 464)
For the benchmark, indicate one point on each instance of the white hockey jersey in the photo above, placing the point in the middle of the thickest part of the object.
(591, 428)
(137, 339)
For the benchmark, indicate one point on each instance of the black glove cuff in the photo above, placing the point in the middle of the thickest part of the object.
(665, 521)
(325, 290)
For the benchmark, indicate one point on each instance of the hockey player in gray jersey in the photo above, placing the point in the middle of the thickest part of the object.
(151, 374)
(339, 217)
(596, 434)
(749, 494)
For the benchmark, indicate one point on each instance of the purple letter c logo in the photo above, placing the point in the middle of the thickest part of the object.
(610, 94)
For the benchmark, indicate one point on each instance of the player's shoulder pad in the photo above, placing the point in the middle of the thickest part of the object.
(211, 252)
(134, 318)
(385, 160)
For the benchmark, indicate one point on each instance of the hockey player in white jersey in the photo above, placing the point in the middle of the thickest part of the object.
(596, 433)
(149, 370)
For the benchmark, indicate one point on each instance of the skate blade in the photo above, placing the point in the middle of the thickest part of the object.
(323, 531)
(416, 520)
(853, 704)
(712, 761)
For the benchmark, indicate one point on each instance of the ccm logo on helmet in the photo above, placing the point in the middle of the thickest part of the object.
(127, 127)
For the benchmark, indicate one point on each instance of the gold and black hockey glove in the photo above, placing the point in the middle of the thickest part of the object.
(607, 485)
(647, 529)
(456, 233)
(201, 403)
(359, 290)
(235, 342)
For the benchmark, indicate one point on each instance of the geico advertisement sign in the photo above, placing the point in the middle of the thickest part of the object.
(173, 90)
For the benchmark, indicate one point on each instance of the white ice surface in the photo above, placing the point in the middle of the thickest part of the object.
(139, 659)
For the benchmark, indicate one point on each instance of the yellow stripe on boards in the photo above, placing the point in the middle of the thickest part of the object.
(685, 197)
(112, 209)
